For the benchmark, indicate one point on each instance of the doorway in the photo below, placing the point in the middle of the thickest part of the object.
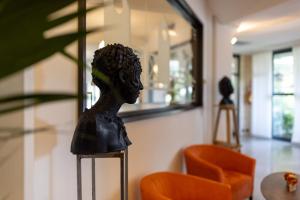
(283, 97)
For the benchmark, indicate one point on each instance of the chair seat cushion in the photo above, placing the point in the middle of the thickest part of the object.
(241, 184)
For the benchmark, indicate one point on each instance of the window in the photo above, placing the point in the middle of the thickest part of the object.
(168, 45)
(283, 95)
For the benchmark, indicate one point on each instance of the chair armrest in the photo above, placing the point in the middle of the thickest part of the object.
(193, 187)
(199, 167)
(232, 160)
(170, 185)
(150, 195)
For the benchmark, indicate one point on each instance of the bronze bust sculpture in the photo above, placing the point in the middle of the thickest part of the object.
(116, 71)
(226, 89)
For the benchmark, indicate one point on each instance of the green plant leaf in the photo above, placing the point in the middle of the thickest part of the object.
(7, 133)
(44, 49)
(26, 22)
(66, 18)
(18, 102)
(23, 6)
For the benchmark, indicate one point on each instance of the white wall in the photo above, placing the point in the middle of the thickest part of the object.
(49, 163)
(202, 11)
(222, 67)
(11, 151)
(245, 87)
(50, 171)
(222, 53)
(261, 121)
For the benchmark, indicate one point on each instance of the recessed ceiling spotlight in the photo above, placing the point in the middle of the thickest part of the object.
(234, 40)
(172, 32)
(245, 26)
(171, 29)
(101, 44)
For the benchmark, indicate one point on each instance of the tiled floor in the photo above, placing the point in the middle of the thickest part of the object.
(271, 156)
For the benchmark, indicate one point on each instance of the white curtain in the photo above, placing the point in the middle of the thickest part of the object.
(261, 119)
(296, 133)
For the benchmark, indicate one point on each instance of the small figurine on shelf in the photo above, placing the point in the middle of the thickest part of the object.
(291, 181)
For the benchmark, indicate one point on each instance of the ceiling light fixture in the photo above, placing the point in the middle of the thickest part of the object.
(101, 44)
(171, 29)
(234, 40)
(244, 27)
(172, 32)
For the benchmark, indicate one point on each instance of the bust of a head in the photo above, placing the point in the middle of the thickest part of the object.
(115, 68)
(225, 89)
(116, 71)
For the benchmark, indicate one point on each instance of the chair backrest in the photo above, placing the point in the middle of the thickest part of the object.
(210, 153)
(175, 186)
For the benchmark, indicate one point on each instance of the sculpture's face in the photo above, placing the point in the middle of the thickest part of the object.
(225, 87)
(131, 85)
(122, 67)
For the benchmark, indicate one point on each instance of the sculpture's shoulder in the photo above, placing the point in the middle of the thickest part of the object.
(107, 121)
(99, 132)
(86, 121)
(91, 118)
(108, 117)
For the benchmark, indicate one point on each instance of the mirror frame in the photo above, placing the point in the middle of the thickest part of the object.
(197, 45)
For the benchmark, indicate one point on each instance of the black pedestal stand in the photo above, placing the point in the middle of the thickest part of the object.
(123, 155)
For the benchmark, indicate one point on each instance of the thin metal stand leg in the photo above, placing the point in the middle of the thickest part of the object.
(79, 186)
(124, 176)
(122, 166)
(93, 180)
(123, 155)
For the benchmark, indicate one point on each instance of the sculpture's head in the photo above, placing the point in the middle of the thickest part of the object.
(116, 68)
(225, 86)
(226, 89)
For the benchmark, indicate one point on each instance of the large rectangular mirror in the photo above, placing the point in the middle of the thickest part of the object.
(163, 40)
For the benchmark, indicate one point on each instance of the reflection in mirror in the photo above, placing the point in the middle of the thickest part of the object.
(162, 40)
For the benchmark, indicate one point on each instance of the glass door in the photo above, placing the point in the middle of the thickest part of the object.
(283, 95)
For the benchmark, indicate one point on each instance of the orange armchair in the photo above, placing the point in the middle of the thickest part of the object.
(222, 165)
(175, 186)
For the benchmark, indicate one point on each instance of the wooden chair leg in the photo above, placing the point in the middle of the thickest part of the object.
(216, 126)
(236, 127)
(228, 127)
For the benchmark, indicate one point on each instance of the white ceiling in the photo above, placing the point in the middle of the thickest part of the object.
(229, 10)
(267, 24)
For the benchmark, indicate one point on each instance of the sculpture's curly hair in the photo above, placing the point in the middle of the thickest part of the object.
(110, 60)
(225, 86)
